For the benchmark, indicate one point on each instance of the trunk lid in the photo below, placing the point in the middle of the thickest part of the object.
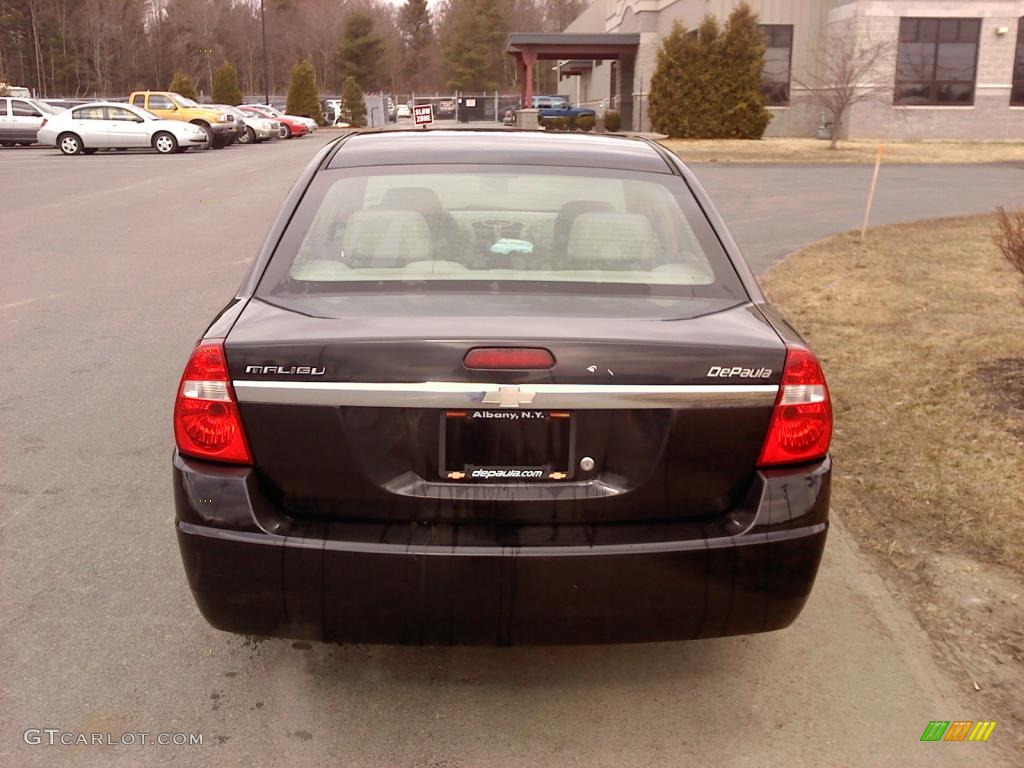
(341, 425)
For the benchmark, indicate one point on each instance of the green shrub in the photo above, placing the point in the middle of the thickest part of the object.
(740, 53)
(708, 85)
(585, 123)
(612, 121)
(353, 108)
(303, 99)
(225, 85)
(182, 83)
(557, 123)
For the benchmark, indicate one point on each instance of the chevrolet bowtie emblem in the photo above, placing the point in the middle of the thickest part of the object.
(509, 397)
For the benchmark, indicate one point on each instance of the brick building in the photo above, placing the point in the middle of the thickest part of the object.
(952, 69)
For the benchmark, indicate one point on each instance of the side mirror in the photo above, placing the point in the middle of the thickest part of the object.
(138, 119)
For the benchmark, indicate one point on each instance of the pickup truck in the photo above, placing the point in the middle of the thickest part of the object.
(556, 106)
(220, 128)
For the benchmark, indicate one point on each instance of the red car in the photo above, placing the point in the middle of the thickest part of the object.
(290, 125)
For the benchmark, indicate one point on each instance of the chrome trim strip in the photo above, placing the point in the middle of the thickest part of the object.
(449, 394)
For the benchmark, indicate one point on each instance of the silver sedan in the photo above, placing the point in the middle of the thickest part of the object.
(112, 125)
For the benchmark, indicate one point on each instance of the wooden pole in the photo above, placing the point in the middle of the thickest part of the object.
(871, 192)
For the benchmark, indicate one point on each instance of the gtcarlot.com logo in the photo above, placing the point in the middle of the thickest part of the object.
(52, 737)
(958, 730)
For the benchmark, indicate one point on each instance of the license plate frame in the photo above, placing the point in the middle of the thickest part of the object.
(471, 441)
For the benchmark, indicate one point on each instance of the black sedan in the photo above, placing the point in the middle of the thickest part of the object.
(498, 387)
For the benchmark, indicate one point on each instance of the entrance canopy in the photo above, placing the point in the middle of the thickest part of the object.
(528, 48)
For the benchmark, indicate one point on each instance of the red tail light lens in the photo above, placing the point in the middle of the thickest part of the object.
(508, 358)
(206, 420)
(801, 425)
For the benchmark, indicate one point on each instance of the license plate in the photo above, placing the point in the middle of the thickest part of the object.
(521, 445)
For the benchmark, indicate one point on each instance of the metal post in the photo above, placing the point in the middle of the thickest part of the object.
(266, 63)
(640, 105)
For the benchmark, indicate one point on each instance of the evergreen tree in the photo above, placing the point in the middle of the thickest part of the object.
(682, 97)
(361, 52)
(472, 49)
(303, 99)
(707, 83)
(417, 44)
(740, 55)
(182, 83)
(353, 108)
(225, 85)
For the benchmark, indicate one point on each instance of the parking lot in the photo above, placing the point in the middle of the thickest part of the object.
(112, 264)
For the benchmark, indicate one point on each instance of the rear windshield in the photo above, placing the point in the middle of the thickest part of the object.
(507, 229)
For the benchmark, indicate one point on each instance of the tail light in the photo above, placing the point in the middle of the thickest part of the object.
(801, 425)
(508, 359)
(206, 420)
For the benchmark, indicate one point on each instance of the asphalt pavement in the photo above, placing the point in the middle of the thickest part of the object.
(111, 266)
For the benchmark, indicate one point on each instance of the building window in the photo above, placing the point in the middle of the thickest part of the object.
(1017, 93)
(937, 61)
(778, 55)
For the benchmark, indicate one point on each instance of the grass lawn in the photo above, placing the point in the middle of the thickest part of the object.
(921, 334)
(786, 150)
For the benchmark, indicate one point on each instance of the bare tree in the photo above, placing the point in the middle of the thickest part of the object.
(1009, 237)
(846, 73)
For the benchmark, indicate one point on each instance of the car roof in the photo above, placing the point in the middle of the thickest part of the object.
(102, 104)
(501, 146)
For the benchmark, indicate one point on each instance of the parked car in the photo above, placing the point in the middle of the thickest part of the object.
(112, 125)
(331, 109)
(309, 122)
(556, 106)
(444, 409)
(62, 104)
(289, 126)
(219, 127)
(252, 129)
(404, 110)
(237, 132)
(20, 120)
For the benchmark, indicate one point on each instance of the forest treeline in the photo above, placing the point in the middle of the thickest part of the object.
(78, 48)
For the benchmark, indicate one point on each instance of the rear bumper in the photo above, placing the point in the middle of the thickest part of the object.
(253, 570)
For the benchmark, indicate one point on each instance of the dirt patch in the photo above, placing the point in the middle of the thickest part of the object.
(921, 334)
(790, 150)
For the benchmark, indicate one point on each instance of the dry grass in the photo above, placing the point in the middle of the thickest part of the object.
(921, 333)
(816, 151)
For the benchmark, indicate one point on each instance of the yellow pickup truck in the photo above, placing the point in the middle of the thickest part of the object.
(221, 129)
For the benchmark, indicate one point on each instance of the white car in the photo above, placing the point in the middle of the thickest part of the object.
(404, 110)
(20, 120)
(111, 125)
(308, 121)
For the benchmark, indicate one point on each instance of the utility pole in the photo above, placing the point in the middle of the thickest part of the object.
(266, 64)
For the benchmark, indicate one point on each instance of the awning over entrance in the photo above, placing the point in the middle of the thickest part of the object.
(528, 48)
(575, 67)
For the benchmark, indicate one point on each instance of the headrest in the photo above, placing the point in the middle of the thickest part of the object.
(613, 239)
(386, 238)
